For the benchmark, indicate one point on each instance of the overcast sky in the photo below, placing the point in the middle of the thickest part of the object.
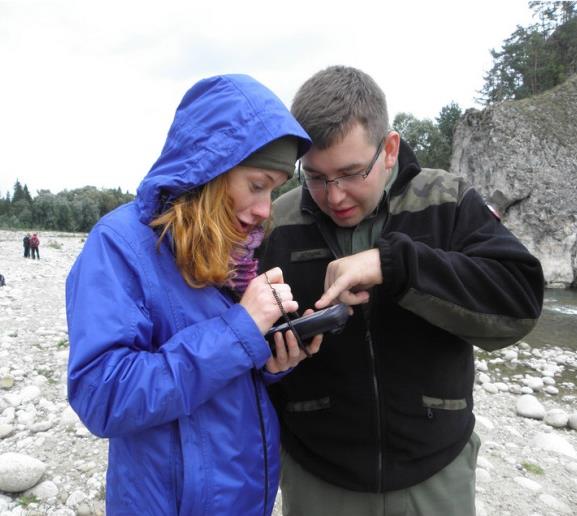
(88, 89)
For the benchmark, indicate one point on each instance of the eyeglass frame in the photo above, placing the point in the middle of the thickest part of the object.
(302, 179)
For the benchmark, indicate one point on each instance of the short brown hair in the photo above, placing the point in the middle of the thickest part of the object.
(329, 103)
(202, 227)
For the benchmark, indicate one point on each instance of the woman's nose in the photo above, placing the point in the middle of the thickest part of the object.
(262, 209)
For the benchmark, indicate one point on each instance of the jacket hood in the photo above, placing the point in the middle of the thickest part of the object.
(219, 122)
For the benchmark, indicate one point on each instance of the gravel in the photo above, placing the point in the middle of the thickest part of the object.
(51, 465)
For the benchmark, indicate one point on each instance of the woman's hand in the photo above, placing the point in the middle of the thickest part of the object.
(259, 300)
(288, 353)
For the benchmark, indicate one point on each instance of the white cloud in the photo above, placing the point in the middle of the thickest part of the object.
(89, 88)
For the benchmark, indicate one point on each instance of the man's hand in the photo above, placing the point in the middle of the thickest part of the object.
(348, 279)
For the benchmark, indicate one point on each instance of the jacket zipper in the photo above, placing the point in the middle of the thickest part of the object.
(327, 235)
(333, 246)
(366, 314)
(377, 396)
(263, 437)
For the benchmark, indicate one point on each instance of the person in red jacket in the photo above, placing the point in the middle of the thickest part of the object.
(34, 245)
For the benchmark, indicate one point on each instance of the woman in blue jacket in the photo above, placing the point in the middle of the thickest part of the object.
(166, 315)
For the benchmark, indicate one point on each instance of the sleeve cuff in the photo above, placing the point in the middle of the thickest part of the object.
(248, 334)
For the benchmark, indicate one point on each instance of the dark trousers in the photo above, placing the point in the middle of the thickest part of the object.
(35, 253)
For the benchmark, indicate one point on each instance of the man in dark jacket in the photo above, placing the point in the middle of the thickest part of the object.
(26, 244)
(381, 420)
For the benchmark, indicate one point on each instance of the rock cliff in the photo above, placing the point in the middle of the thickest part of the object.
(522, 156)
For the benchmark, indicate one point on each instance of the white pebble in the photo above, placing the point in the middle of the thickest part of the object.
(555, 504)
(484, 378)
(534, 383)
(528, 483)
(485, 421)
(483, 463)
(44, 490)
(556, 418)
(555, 443)
(482, 475)
(491, 388)
(19, 472)
(529, 406)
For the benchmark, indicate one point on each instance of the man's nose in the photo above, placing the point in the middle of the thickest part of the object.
(334, 192)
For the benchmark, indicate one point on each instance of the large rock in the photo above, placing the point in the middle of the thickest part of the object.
(555, 443)
(530, 406)
(19, 472)
(573, 421)
(522, 157)
(556, 418)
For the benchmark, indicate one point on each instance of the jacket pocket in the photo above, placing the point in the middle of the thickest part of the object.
(444, 404)
(310, 254)
(308, 405)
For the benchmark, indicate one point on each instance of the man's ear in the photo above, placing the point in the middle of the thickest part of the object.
(392, 143)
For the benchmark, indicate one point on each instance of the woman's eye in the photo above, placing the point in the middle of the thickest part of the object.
(257, 187)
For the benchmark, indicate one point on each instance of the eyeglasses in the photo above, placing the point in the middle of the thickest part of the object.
(315, 183)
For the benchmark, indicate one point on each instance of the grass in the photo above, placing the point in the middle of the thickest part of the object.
(54, 245)
(63, 343)
(47, 373)
(533, 468)
(26, 500)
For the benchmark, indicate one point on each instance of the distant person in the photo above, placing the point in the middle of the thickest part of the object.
(166, 314)
(26, 243)
(381, 420)
(34, 245)
(2, 281)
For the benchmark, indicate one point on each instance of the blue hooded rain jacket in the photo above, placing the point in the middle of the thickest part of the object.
(170, 374)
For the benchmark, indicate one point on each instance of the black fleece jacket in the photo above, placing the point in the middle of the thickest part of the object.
(388, 402)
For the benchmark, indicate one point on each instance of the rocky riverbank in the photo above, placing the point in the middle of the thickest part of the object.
(526, 406)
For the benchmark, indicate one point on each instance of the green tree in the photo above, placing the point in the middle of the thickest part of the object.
(534, 58)
(44, 211)
(425, 138)
(21, 211)
(86, 213)
(447, 120)
(5, 205)
(64, 215)
(76, 210)
(21, 193)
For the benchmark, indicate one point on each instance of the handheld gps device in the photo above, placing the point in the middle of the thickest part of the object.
(331, 319)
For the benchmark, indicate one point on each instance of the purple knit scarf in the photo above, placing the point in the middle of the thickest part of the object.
(244, 262)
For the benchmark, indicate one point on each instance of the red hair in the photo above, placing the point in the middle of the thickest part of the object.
(202, 226)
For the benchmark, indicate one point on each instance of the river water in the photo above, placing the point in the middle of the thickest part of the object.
(558, 324)
(554, 340)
